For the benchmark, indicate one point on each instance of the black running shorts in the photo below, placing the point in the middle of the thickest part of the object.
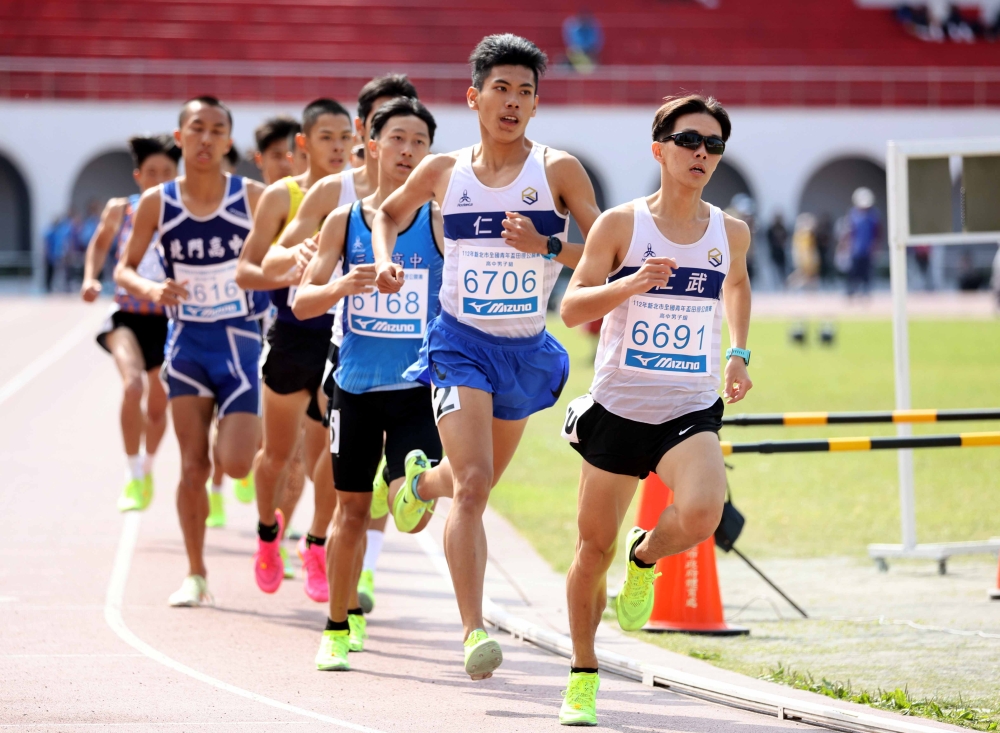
(295, 362)
(405, 417)
(630, 448)
(149, 330)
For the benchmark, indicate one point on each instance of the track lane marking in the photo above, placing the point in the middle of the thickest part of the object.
(113, 616)
(47, 358)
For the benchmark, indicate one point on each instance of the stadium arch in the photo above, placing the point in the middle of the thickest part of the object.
(829, 187)
(105, 176)
(15, 216)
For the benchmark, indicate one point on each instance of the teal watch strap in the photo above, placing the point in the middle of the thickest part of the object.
(744, 354)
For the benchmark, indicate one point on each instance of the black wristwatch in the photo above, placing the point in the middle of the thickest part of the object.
(555, 246)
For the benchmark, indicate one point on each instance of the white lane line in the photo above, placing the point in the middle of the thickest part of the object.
(62, 656)
(49, 357)
(113, 615)
(146, 724)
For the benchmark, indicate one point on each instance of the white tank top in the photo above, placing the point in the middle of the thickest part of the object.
(658, 357)
(348, 195)
(488, 284)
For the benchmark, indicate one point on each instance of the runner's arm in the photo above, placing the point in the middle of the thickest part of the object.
(99, 246)
(319, 201)
(736, 300)
(421, 187)
(589, 296)
(254, 191)
(144, 225)
(270, 216)
(317, 294)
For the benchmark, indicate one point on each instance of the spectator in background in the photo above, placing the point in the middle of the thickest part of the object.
(744, 208)
(584, 40)
(864, 228)
(57, 243)
(995, 280)
(777, 242)
(805, 257)
(922, 256)
(825, 247)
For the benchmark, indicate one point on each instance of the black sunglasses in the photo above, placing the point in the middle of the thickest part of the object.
(714, 145)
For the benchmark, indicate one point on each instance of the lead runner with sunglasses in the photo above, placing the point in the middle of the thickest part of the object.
(655, 269)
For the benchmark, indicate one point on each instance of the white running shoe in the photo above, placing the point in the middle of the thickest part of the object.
(192, 593)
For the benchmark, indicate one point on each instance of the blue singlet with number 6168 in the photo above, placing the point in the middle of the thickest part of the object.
(383, 332)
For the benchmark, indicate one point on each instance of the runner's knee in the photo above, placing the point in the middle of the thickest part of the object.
(700, 520)
(133, 386)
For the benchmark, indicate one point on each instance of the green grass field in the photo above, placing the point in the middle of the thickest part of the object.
(806, 504)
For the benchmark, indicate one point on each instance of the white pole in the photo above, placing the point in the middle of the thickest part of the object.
(898, 223)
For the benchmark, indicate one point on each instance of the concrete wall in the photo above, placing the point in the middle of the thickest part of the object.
(776, 151)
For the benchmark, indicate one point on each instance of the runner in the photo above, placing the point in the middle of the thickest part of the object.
(276, 155)
(327, 195)
(136, 330)
(655, 270)
(373, 405)
(293, 370)
(213, 343)
(488, 356)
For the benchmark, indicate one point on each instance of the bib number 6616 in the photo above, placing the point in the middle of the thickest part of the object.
(509, 282)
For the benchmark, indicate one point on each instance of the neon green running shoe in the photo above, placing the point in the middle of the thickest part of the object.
(147, 489)
(579, 705)
(216, 510)
(359, 631)
(380, 492)
(289, 570)
(407, 509)
(333, 649)
(245, 489)
(366, 591)
(133, 497)
(634, 603)
(482, 655)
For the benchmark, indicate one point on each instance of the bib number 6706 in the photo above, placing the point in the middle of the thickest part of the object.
(509, 282)
(661, 335)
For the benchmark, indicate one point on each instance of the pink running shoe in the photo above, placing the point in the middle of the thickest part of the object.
(314, 564)
(268, 568)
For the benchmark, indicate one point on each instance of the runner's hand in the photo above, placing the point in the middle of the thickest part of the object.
(90, 290)
(389, 278)
(304, 253)
(359, 280)
(168, 292)
(520, 233)
(738, 381)
(654, 273)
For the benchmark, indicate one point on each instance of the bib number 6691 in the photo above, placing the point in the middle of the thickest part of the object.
(661, 335)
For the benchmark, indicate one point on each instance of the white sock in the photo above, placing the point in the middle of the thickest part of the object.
(135, 467)
(147, 462)
(374, 549)
(216, 488)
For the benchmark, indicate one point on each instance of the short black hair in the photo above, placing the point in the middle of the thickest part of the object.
(233, 156)
(208, 101)
(274, 129)
(319, 107)
(505, 49)
(692, 104)
(402, 107)
(387, 85)
(146, 146)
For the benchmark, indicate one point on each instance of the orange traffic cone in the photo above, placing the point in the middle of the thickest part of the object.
(687, 597)
(995, 593)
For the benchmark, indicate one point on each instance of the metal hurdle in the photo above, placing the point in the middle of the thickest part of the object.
(789, 419)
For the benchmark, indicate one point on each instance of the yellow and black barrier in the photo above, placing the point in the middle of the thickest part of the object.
(845, 418)
(837, 445)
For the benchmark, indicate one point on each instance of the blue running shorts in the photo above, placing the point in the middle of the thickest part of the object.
(215, 360)
(524, 375)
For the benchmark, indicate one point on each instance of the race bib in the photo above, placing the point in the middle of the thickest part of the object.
(213, 292)
(574, 411)
(668, 336)
(401, 315)
(499, 282)
(443, 401)
(335, 431)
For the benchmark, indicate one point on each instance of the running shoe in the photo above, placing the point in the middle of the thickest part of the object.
(133, 497)
(407, 509)
(333, 649)
(192, 593)
(314, 566)
(366, 591)
(269, 569)
(216, 510)
(287, 569)
(147, 490)
(482, 655)
(579, 705)
(359, 631)
(245, 489)
(634, 603)
(380, 492)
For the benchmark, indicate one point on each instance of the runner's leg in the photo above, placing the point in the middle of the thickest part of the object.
(291, 486)
(156, 414)
(127, 353)
(239, 434)
(283, 416)
(192, 418)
